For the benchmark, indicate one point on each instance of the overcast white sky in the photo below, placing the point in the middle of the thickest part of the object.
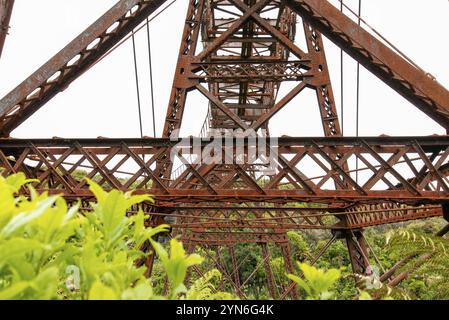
(103, 101)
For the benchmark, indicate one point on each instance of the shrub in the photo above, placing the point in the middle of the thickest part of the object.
(51, 251)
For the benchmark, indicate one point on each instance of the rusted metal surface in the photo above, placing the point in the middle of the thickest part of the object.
(249, 51)
(266, 256)
(358, 252)
(72, 61)
(6, 7)
(244, 61)
(408, 172)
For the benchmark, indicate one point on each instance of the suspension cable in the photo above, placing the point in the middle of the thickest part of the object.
(151, 77)
(376, 258)
(357, 113)
(342, 81)
(137, 84)
(358, 81)
(134, 32)
(403, 55)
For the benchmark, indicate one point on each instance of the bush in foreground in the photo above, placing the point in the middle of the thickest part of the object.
(51, 251)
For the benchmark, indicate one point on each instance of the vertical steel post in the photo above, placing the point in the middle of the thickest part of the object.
(268, 270)
(287, 255)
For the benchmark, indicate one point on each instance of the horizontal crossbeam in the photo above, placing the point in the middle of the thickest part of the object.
(113, 162)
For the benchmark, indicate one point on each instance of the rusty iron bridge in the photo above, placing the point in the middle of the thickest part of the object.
(248, 52)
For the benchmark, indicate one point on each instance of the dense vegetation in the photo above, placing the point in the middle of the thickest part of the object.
(51, 251)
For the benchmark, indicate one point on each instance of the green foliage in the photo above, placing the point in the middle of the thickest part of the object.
(300, 248)
(365, 296)
(427, 278)
(203, 288)
(49, 251)
(52, 251)
(34, 240)
(317, 283)
(176, 265)
(249, 256)
(278, 268)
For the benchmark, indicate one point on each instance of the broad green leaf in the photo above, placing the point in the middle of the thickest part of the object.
(98, 192)
(7, 203)
(194, 259)
(100, 292)
(161, 252)
(46, 283)
(40, 237)
(17, 247)
(363, 295)
(142, 291)
(317, 282)
(14, 291)
(176, 264)
(301, 283)
(114, 215)
(138, 199)
(16, 181)
(26, 217)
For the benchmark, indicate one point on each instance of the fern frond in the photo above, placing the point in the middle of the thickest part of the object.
(434, 270)
(204, 289)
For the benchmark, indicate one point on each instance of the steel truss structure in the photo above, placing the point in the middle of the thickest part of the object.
(248, 52)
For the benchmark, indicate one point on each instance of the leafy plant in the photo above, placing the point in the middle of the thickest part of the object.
(428, 262)
(203, 288)
(317, 283)
(51, 251)
(176, 265)
(34, 240)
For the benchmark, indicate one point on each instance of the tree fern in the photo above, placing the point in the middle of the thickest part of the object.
(203, 288)
(427, 265)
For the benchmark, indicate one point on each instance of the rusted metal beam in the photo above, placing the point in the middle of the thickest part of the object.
(445, 229)
(278, 106)
(51, 156)
(386, 143)
(72, 61)
(248, 12)
(413, 84)
(266, 256)
(358, 252)
(288, 265)
(279, 36)
(246, 58)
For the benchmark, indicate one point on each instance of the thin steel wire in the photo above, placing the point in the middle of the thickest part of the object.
(342, 83)
(357, 126)
(403, 55)
(136, 73)
(150, 62)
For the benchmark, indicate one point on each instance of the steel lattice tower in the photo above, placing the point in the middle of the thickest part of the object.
(237, 54)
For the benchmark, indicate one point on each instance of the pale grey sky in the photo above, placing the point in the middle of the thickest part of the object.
(103, 101)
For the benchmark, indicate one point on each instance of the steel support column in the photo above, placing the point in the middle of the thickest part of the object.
(358, 253)
(286, 253)
(266, 256)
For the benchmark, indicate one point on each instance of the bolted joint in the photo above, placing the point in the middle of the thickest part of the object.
(184, 73)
